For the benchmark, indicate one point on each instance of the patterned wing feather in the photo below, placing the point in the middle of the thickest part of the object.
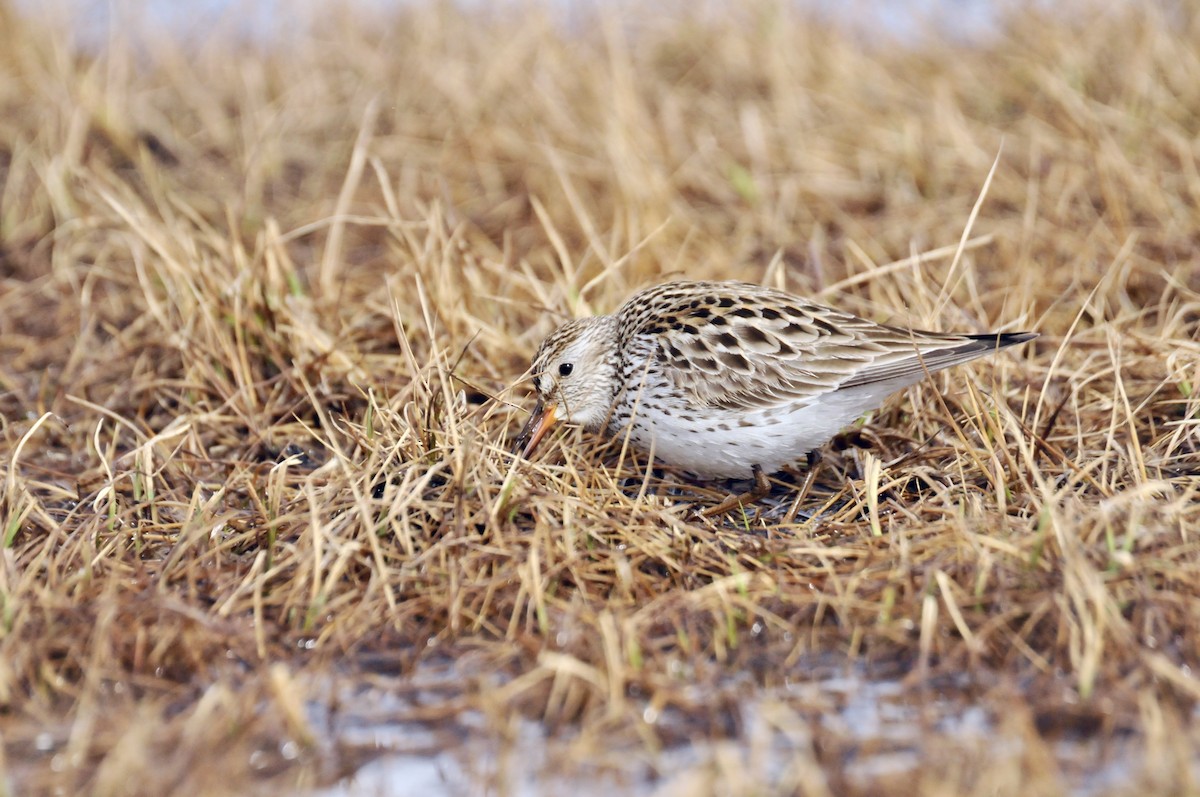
(744, 347)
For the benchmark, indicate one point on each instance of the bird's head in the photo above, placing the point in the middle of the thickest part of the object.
(575, 375)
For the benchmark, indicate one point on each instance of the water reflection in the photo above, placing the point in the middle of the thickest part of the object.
(844, 728)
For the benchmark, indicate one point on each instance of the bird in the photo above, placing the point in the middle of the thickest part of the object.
(730, 380)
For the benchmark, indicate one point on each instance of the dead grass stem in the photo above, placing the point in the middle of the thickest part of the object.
(262, 311)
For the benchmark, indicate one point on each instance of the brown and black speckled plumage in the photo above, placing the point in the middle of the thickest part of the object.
(720, 377)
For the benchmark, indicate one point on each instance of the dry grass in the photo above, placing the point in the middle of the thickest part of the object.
(261, 313)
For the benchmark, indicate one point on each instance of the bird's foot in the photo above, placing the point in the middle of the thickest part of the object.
(761, 489)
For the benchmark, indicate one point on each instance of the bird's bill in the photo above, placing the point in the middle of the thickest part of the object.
(539, 423)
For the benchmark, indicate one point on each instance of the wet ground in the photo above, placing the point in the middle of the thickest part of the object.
(842, 731)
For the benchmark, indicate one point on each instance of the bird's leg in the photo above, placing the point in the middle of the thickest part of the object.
(810, 475)
(761, 489)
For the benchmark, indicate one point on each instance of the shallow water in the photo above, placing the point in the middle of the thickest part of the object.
(841, 728)
(93, 20)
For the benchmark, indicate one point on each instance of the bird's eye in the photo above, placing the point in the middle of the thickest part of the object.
(565, 369)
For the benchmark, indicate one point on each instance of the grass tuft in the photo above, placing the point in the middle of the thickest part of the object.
(263, 312)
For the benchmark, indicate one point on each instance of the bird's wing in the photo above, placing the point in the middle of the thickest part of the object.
(751, 348)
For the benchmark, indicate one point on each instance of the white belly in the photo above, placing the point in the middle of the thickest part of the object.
(726, 445)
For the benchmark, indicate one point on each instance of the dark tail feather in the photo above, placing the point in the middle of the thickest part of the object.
(928, 362)
(995, 341)
(979, 346)
(999, 340)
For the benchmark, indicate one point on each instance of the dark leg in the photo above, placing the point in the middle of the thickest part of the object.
(761, 489)
(809, 477)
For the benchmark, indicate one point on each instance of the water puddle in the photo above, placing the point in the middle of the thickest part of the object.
(842, 729)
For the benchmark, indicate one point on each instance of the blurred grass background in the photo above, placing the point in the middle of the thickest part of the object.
(262, 312)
